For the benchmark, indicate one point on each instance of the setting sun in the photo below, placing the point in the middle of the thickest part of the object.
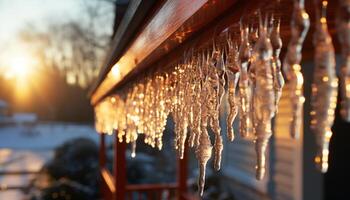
(20, 66)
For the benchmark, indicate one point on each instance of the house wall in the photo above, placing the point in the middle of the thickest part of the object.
(292, 174)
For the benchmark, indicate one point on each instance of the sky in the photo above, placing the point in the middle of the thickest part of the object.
(16, 14)
(18, 57)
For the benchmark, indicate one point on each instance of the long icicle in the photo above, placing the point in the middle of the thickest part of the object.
(291, 65)
(324, 89)
(196, 103)
(216, 93)
(263, 98)
(232, 71)
(278, 80)
(244, 88)
(204, 148)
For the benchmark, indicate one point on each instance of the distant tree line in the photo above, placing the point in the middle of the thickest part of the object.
(70, 53)
(52, 98)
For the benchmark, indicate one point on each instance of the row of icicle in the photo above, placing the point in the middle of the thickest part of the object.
(250, 71)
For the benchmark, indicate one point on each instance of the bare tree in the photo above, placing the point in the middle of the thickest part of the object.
(75, 48)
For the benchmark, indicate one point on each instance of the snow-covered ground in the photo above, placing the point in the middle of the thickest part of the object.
(25, 148)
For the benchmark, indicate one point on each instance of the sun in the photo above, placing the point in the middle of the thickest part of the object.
(20, 66)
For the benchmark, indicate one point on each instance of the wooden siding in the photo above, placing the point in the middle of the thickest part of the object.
(287, 158)
(284, 175)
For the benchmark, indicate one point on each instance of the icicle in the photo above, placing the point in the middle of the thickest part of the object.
(216, 91)
(196, 103)
(343, 29)
(232, 77)
(244, 87)
(183, 109)
(324, 89)
(278, 79)
(291, 65)
(204, 149)
(264, 97)
(180, 115)
(133, 149)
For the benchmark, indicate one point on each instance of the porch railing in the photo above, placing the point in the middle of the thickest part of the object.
(115, 187)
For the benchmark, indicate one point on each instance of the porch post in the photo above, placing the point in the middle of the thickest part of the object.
(182, 175)
(119, 168)
(102, 151)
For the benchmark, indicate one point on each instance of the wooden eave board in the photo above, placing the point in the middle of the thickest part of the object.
(180, 25)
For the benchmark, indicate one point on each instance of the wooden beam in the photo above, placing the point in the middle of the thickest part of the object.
(166, 30)
(107, 185)
(119, 168)
(136, 15)
(102, 151)
(206, 22)
(182, 175)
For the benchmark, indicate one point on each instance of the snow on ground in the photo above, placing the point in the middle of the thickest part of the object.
(27, 148)
(43, 136)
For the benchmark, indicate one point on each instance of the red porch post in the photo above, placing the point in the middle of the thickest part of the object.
(119, 168)
(182, 175)
(102, 151)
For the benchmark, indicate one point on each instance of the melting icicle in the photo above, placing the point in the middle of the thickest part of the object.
(244, 87)
(264, 97)
(196, 103)
(343, 29)
(204, 148)
(291, 65)
(232, 71)
(216, 92)
(184, 111)
(278, 80)
(324, 89)
(133, 149)
(179, 114)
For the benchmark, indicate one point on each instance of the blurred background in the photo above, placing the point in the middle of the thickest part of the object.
(50, 52)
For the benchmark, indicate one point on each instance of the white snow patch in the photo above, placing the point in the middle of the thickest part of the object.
(27, 148)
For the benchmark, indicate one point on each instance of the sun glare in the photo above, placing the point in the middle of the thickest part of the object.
(20, 66)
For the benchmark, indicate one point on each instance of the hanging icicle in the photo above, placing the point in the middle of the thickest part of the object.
(276, 42)
(324, 88)
(254, 37)
(216, 90)
(343, 30)
(264, 96)
(291, 65)
(195, 100)
(232, 71)
(192, 91)
(244, 87)
(204, 148)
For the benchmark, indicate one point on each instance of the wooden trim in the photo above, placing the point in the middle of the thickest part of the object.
(102, 150)
(193, 28)
(166, 30)
(107, 184)
(136, 14)
(182, 174)
(108, 179)
(119, 168)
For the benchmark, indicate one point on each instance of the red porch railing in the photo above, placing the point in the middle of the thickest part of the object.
(115, 187)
